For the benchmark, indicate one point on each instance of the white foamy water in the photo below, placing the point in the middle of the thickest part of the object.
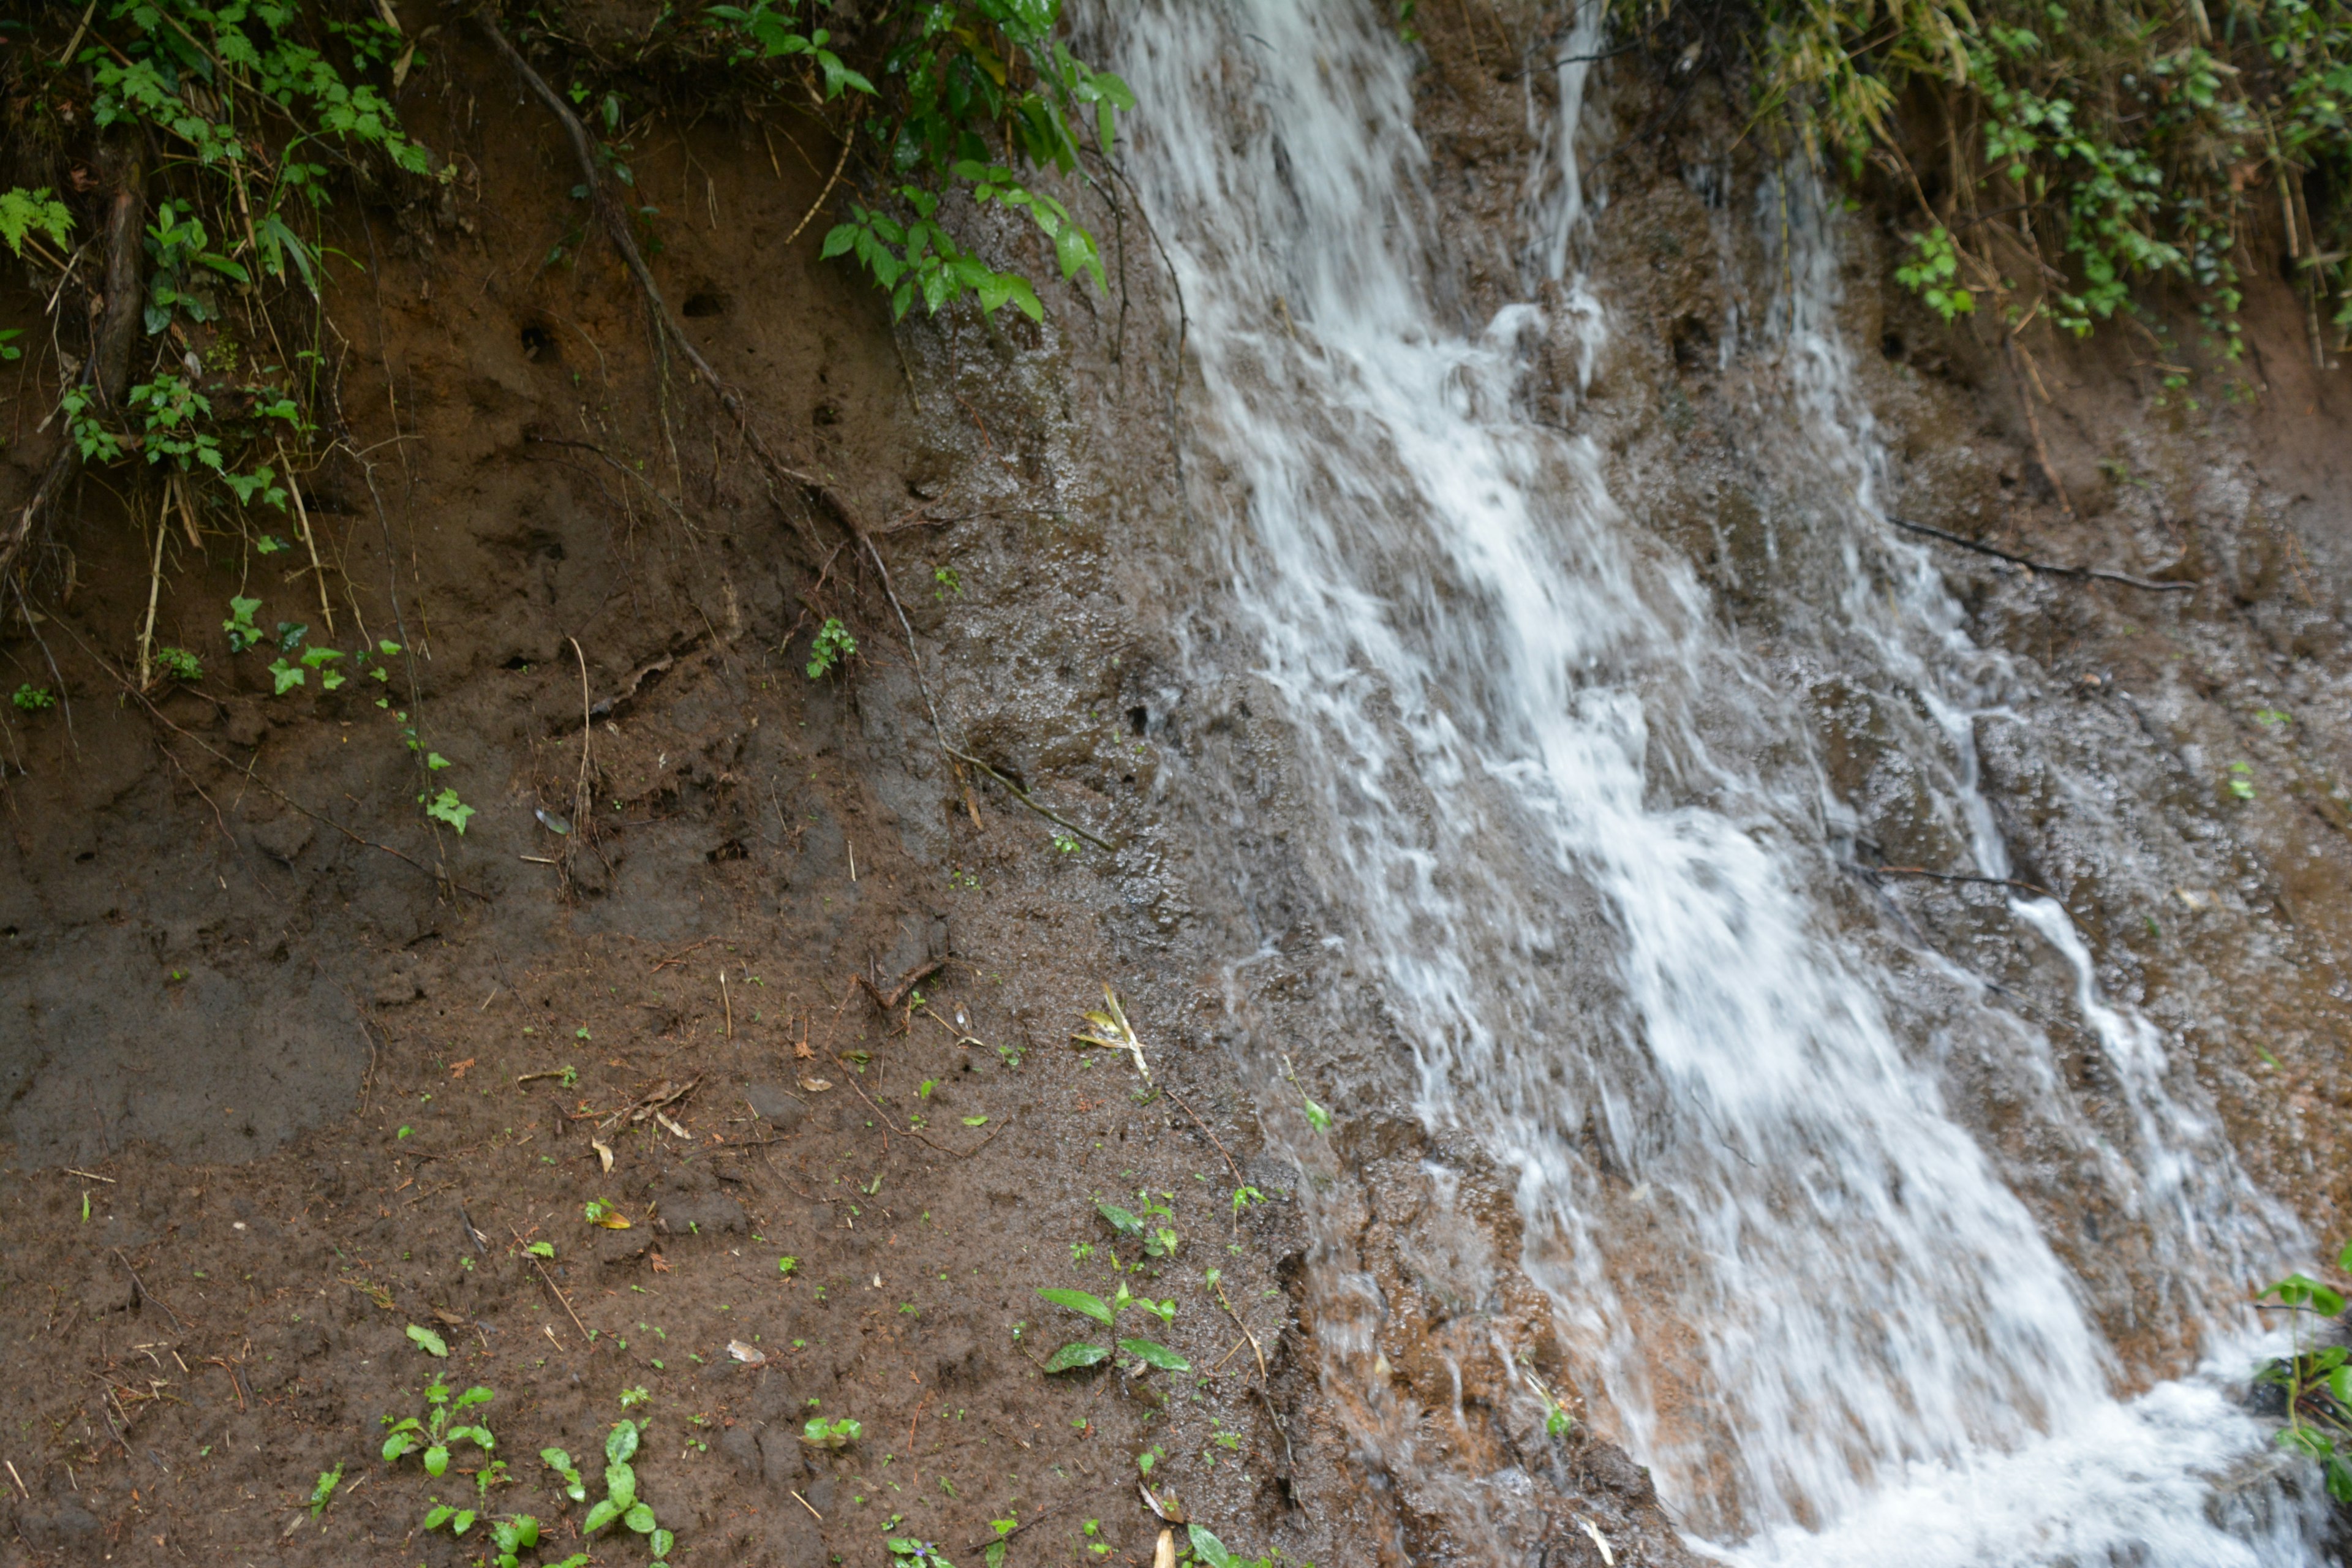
(1811, 1301)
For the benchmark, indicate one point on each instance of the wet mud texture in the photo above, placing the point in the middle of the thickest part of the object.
(289, 1070)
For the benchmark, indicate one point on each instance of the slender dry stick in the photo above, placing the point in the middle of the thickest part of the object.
(178, 491)
(583, 804)
(1244, 1328)
(145, 1293)
(2032, 420)
(847, 139)
(154, 589)
(310, 543)
(550, 1281)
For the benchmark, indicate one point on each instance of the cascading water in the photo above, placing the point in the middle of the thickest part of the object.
(1527, 748)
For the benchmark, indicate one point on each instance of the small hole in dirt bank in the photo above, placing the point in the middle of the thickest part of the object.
(825, 413)
(518, 661)
(699, 306)
(731, 850)
(1891, 345)
(1138, 718)
(539, 344)
(1694, 343)
(86, 857)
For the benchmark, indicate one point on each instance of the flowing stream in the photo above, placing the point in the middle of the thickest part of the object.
(1550, 807)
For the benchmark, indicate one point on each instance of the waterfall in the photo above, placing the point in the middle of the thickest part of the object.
(1527, 752)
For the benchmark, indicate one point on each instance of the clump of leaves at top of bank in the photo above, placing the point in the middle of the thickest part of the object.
(232, 120)
(956, 94)
(2063, 158)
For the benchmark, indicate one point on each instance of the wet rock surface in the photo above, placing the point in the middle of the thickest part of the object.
(270, 1078)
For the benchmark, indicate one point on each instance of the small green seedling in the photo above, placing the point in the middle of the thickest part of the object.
(575, 1486)
(832, 1436)
(833, 644)
(906, 1550)
(621, 1503)
(327, 1481)
(34, 699)
(426, 1340)
(435, 1435)
(1147, 1354)
(785, 1266)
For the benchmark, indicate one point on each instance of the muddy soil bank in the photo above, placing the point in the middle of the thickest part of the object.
(299, 1082)
(288, 1069)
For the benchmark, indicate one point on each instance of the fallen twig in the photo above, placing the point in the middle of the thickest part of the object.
(549, 1280)
(848, 139)
(145, 1293)
(1203, 1126)
(918, 1133)
(1246, 1333)
(2099, 573)
(939, 732)
(637, 1109)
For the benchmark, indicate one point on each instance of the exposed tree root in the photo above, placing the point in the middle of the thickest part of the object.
(669, 334)
(2092, 573)
(106, 371)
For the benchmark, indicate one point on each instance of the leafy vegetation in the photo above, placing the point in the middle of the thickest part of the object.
(2062, 160)
(621, 1504)
(971, 92)
(1147, 1354)
(832, 644)
(434, 1436)
(2315, 1379)
(832, 1435)
(254, 107)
